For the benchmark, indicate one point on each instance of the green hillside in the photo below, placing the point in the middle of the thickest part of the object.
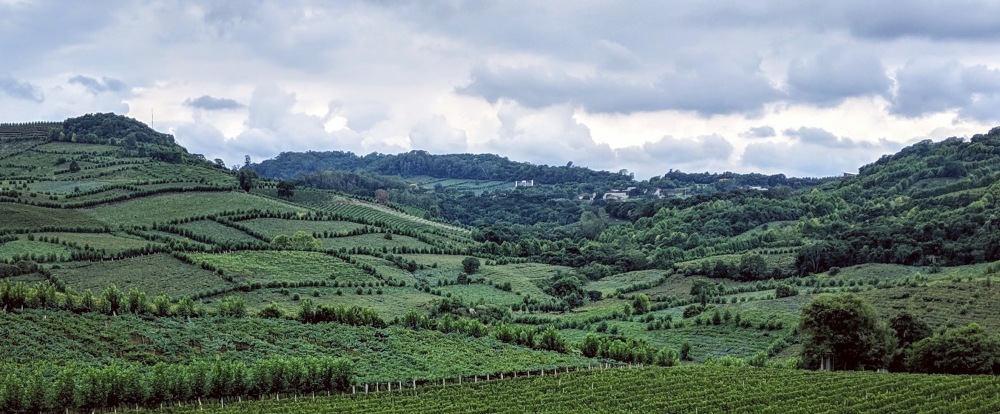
(143, 267)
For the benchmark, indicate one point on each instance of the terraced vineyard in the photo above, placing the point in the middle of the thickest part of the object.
(660, 390)
(126, 253)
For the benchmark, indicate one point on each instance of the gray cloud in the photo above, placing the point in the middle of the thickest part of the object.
(711, 88)
(814, 152)
(436, 136)
(210, 103)
(21, 90)
(679, 150)
(830, 77)
(824, 138)
(759, 132)
(96, 86)
(547, 136)
(926, 87)
(958, 19)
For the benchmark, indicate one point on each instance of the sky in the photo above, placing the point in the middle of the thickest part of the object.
(803, 88)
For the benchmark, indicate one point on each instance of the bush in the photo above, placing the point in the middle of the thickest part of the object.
(470, 265)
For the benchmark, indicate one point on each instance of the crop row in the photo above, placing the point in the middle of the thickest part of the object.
(679, 389)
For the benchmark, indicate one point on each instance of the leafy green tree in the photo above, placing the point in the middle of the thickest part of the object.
(641, 304)
(667, 357)
(298, 241)
(470, 265)
(785, 290)
(909, 330)
(113, 299)
(968, 349)
(246, 178)
(552, 340)
(847, 329)
(232, 307)
(685, 353)
(286, 189)
(753, 267)
(271, 311)
(74, 166)
(591, 346)
(703, 290)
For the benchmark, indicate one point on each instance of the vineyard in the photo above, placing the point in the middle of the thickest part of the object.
(122, 250)
(660, 390)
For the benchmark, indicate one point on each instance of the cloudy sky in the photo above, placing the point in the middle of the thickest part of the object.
(805, 88)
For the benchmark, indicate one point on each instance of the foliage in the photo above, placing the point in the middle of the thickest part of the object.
(847, 329)
(246, 178)
(298, 241)
(968, 349)
(286, 189)
(470, 265)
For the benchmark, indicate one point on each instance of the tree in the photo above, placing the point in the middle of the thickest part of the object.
(74, 166)
(785, 290)
(704, 289)
(909, 330)
(641, 304)
(246, 178)
(298, 241)
(965, 350)
(847, 329)
(470, 265)
(382, 196)
(753, 267)
(685, 354)
(286, 189)
(552, 340)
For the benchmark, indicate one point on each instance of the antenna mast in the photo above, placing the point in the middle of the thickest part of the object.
(151, 124)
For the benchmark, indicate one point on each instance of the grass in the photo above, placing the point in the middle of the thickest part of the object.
(614, 283)
(20, 216)
(523, 277)
(154, 274)
(480, 293)
(66, 187)
(22, 247)
(110, 243)
(216, 232)
(292, 266)
(394, 302)
(162, 208)
(273, 227)
(374, 241)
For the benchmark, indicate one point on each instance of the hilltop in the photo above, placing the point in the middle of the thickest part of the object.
(120, 249)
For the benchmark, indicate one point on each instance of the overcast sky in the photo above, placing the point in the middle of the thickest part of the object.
(804, 88)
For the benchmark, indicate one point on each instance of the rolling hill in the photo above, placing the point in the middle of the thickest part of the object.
(141, 267)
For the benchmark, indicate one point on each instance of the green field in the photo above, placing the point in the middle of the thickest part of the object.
(274, 227)
(216, 231)
(392, 303)
(613, 283)
(110, 243)
(163, 208)
(41, 250)
(374, 241)
(663, 390)
(154, 274)
(20, 216)
(291, 266)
